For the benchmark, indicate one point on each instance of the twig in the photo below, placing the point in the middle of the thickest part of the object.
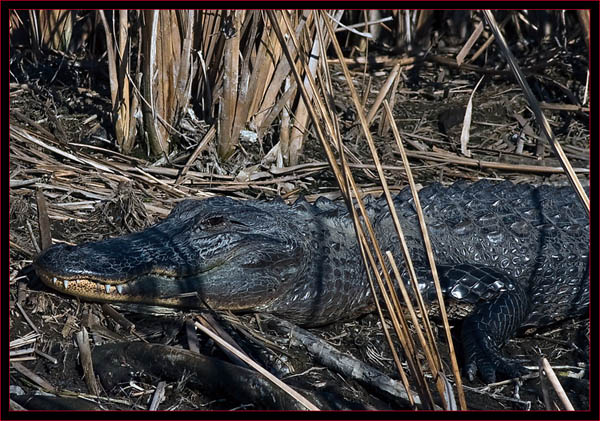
(158, 396)
(27, 319)
(85, 355)
(258, 368)
(210, 323)
(556, 384)
(46, 356)
(33, 377)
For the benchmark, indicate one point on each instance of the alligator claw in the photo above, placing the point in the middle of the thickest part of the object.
(486, 331)
(489, 366)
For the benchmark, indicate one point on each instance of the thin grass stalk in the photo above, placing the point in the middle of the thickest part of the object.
(488, 41)
(537, 111)
(396, 310)
(382, 93)
(335, 168)
(396, 317)
(434, 274)
(384, 123)
(324, 111)
(427, 343)
(370, 263)
(364, 249)
(287, 389)
(320, 135)
(367, 134)
(460, 57)
(414, 369)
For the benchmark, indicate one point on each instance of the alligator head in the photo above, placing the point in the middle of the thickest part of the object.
(228, 254)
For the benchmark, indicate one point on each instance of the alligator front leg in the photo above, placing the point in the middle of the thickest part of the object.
(486, 330)
(492, 305)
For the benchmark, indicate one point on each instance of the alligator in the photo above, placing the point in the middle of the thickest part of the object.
(515, 255)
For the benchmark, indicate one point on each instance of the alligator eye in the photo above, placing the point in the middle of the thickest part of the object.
(213, 222)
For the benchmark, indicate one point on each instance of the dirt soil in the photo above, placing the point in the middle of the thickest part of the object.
(58, 96)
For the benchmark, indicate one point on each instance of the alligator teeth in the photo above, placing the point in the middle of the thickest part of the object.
(107, 288)
(54, 280)
(66, 284)
(120, 289)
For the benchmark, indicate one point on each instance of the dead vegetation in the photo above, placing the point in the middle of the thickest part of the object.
(139, 110)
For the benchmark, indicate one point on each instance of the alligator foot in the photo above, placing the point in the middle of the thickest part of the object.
(482, 356)
(486, 330)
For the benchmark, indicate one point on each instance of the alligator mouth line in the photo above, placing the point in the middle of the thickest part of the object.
(95, 290)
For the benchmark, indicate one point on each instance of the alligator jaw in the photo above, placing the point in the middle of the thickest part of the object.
(97, 291)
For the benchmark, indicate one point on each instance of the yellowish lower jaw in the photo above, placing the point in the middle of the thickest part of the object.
(96, 291)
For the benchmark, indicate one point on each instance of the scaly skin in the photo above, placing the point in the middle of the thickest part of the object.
(516, 254)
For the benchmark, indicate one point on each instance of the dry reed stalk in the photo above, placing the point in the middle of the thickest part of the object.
(277, 77)
(397, 317)
(584, 20)
(287, 389)
(366, 132)
(488, 41)
(208, 45)
(539, 115)
(553, 379)
(267, 56)
(304, 92)
(460, 57)
(231, 54)
(245, 92)
(85, 358)
(344, 184)
(38, 380)
(434, 274)
(56, 28)
(299, 128)
(34, 32)
(384, 122)
(319, 107)
(385, 88)
(124, 120)
(369, 261)
(149, 42)
(124, 106)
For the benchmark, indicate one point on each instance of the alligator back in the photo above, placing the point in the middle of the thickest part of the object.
(536, 236)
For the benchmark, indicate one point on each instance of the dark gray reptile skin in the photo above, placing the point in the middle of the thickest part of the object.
(518, 254)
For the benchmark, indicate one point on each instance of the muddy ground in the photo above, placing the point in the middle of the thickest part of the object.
(58, 95)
